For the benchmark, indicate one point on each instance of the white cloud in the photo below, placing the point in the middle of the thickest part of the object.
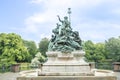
(45, 36)
(98, 31)
(32, 21)
(36, 1)
(53, 8)
(92, 29)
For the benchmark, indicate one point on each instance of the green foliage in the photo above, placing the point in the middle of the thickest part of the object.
(32, 49)
(100, 52)
(89, 49)
(43, 46)
(94, 52)
(110, 50)
(12, 47)
(39, 58)
(24, 66)
(6, 62)
(113, 48)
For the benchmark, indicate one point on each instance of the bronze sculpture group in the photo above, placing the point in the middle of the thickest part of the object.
(64, 38)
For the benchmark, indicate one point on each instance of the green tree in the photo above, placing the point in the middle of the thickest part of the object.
(113, 48)
(12, 47)
(94, 52)
(32, 49)
(89, 49)
(43, 46)
(38, 59)
(100, 52)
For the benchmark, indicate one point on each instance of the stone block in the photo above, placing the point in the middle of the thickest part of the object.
(69, 78)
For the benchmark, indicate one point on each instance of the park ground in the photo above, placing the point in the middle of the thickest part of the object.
(13, 76)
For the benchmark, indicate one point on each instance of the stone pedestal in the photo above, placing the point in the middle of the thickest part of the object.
(70, 66)
(66, 63)
(116, 66)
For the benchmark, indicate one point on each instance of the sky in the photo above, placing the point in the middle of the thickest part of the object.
(95, 20)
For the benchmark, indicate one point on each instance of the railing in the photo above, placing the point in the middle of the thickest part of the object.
(16, 68)
(26, 66)
(5, 68)
(104, 65)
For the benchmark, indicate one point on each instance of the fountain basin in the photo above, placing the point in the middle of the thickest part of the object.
(37, 75)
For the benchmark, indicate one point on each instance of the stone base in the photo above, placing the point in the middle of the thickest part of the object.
(66, 63)
(66, 68)
(65, 74)
(68, 78)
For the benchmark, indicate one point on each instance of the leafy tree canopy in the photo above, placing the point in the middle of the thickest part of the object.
(12, 47)
(94, 52)
(43, 46)
(31, 47)
(113, 48)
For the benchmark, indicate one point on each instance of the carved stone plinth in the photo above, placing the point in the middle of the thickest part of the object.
(66, 63)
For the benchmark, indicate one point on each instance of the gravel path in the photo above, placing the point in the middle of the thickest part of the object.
(118, 75)
(8, 76)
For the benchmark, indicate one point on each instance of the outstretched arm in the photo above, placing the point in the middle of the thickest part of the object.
(59, 18)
